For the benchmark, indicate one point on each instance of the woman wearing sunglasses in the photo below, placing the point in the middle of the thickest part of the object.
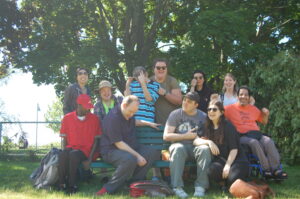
(198, 84)
(76, 89)
(229, 163)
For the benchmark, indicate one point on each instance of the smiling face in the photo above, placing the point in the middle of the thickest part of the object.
(160, 70)
(244, 97)
(214, 113)
(105, 93)
(229, 82)
(82, 77)
(200, 79)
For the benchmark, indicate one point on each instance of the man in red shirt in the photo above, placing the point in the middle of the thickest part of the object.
(78, 131)
(244, 116)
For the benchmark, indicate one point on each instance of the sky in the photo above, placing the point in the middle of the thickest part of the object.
(20, 97)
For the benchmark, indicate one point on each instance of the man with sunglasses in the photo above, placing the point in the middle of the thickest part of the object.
(182, 127)
(244, 117)
(170, 96)
(76, 89)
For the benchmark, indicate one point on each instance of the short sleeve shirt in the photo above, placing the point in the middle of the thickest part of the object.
(80, 134)
(115, 129)
(184, 123)
(146, 110)
(204, 94)
(244, 118)
(162, 106)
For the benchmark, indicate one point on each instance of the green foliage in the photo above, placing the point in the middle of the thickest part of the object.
(54, 114)
(277, 82)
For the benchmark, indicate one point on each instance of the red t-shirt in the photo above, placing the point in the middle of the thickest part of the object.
(80, 134)
(244, 118)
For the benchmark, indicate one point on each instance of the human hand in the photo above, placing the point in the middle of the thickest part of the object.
(265, 111)
(141, 161)
(154, 125)
(129, 80)
(213, 148)
(226, 170)
(193, 82)
(162, 91)
(190, 135)
(142, 78)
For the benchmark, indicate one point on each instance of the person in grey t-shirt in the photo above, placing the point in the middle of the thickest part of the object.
(182, 127)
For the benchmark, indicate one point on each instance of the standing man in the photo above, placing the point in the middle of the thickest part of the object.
(119, 146)
(182, 127)
(170, 96)
(78, 131)
(244, 116)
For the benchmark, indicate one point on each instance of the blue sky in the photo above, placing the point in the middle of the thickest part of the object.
(20, 97)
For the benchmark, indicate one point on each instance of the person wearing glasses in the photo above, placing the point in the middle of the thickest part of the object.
(244, 117)
(170, 96)
(229, 162)
(182, 127)
(198, 84)
(76, 89)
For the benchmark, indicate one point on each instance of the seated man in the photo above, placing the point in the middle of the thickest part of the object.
(119, 146)
(182, 127)
(78, 131)
(244, 117)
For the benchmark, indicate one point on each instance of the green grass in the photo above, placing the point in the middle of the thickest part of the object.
(15, 184)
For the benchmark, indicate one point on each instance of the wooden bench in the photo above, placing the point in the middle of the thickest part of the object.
(146, 136)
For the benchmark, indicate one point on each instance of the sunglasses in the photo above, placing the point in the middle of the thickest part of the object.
(198, 77)
(160, 67)
(82, 73)
(212, 109)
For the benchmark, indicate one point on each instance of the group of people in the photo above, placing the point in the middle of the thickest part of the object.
(208, 128)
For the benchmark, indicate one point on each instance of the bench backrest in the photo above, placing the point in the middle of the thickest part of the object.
(151, 136)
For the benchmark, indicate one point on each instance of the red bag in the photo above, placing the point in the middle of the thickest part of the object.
(150, 188)
(252, 190)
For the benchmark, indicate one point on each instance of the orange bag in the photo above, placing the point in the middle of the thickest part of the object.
(242, 189)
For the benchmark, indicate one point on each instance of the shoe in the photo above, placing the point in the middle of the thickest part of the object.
(102, 192)
(199, 192)
(180, 192)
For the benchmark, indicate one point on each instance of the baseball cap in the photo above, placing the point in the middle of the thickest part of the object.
(193, 96)
(85, 101)
(105, 83)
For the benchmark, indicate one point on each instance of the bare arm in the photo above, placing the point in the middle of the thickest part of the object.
(175, 96)
(265, 115)
(145, 123)
(230, 159)
(170, 136)
(212, 146)
(143, 81)
(125, 147)
(127, 87)
(193, 85)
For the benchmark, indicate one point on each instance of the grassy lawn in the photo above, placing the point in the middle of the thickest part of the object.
(15, 183)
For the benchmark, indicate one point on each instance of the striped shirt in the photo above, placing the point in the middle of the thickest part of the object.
(146, 110)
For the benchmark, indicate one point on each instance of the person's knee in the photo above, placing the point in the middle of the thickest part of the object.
(129, 160)
(202, 150)
(178, 151)
(253, 143)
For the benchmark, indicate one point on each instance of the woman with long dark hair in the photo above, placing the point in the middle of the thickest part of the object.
(229, 162)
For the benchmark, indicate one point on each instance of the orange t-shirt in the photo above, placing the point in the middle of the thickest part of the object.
(244, 118)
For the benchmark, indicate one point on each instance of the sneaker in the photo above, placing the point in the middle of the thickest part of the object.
(199, 192)
(180, 192)
(102, 192)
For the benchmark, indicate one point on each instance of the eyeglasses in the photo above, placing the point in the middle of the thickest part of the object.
(212, 109)
(160, 67)
(198, 77)
(82, 73)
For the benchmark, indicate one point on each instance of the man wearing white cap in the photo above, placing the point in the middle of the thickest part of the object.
(106, 101)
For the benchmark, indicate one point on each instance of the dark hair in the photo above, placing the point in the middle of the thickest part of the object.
(217, 136)
(246, 88)
(235, 88)
(204, 76)
(79, 69)
(137, 70)
(160, 60)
